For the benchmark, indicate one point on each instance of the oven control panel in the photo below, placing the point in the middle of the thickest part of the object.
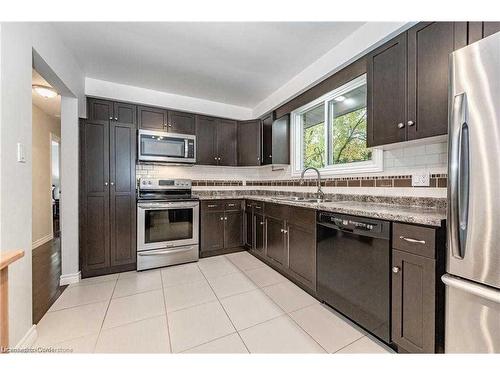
(163, 184)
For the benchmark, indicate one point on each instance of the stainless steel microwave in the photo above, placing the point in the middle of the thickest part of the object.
(166, 147)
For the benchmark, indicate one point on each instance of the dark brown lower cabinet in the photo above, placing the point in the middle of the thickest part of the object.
(285, 238)
(259, 234)
(302, 254)
(417, 293)
(275, 241)
(413, 302)
(221, 227)
(107, 197)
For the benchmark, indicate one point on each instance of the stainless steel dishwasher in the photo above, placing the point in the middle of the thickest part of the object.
(353, 269)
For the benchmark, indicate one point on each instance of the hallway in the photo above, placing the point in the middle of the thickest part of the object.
(46, 262)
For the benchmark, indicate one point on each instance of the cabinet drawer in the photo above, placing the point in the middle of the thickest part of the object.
(303, 217)
(277, 210)
(212, 205)
(232, 205)
(414, 239)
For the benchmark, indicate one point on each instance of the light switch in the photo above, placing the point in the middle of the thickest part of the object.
(420, 179)
(21, 155)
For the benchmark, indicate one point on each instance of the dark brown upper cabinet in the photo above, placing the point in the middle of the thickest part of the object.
(206, 140)
(125, 114)
(106, 110)
(226, 142)
(407, 82)
(152, 118)
(429, 47)
(216, 141)
(480, 30)
(386, 93)
(281, 140)
(249, 142)
(267, 139)
(181, 122)
(99, 110)
(276, 140)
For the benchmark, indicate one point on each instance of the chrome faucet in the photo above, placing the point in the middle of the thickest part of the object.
(319, 194)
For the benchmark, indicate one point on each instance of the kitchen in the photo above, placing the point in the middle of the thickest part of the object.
(352, 216)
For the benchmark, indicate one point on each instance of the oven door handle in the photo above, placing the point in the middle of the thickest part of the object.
(163, 252)
(163, 206)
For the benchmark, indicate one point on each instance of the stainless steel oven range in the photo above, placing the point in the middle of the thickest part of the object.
(167, 223)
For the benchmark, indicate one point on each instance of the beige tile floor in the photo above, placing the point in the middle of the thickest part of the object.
(225, 304)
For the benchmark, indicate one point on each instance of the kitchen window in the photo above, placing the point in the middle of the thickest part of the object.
(330, 133)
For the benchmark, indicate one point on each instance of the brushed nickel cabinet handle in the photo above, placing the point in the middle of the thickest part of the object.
(401, 125)
(211, 205)
(411, 123)
(411, 240)
(105, 184)
(395, 269)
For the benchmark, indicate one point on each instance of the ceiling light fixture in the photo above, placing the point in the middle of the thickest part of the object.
(340, 98)
(45, 91)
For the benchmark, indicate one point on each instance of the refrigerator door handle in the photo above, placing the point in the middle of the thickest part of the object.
(459, 177)
(479, 290)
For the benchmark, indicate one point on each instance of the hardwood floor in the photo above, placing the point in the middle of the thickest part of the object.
(46, 272)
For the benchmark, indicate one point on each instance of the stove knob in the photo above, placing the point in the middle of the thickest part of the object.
(149, 182)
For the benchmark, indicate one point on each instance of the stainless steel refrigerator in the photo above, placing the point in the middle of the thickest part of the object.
(473, 261)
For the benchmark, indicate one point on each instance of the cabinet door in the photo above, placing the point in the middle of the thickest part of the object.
(302, 255)
(152, 118)
(429, 47)
(281, 140)
(413, 302)
(99, 110)
(226, 142)
(125, 114)
(122, 193)
(490, 28)
(249, 143)
(249, 228)
(267, 139)
(206, 140)
(233, 229)
(275, 243)
(181, 122)
(386, 93)
(259, 233)
(212, 231)
(94, 196)
(480, 30)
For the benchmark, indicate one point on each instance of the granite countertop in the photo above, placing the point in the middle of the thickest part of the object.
(384, 211)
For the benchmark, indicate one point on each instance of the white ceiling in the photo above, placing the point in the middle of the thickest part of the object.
(51, 106)
(235, 63)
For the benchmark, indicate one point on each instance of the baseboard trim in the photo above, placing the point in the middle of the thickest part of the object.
(28, 339)
(42, 240)
(70, 278)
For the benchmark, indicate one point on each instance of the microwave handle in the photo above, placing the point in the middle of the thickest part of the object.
(186, 148)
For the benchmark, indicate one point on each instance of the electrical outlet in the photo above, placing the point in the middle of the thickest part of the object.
(420, 179)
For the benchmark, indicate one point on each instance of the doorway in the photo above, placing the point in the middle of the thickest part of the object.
(46, 192)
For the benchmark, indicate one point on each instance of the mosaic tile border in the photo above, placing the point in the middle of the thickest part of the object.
(436, 181)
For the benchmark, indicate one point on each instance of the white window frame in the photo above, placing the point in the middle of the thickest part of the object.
(376, 164)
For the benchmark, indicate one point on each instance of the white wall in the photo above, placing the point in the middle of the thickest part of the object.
(69, 188)
(365, 38)
(43, 126)
(17, 43)
(16, 177)
(120, 92)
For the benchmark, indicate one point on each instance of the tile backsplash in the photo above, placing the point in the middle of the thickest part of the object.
(399, 164)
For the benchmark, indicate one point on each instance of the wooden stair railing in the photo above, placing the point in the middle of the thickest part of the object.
(6, 258)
